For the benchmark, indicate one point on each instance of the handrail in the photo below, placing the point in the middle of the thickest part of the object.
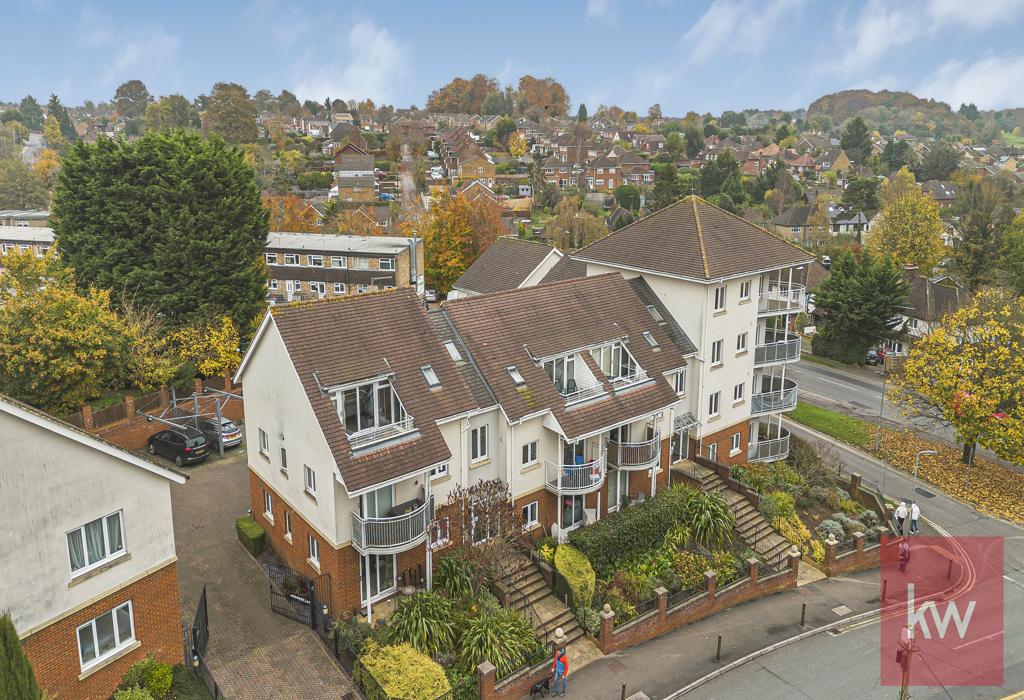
(381, 432)
(386, 534)
(626, 455)
(774, 350)
(640, 375)
(576, 478)
(583, 392)
(782, 399)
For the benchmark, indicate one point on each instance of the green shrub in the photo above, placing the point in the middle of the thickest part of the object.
(819, 494)
(632, 531)
(353, 635)
(133, 693)
(850, 506)
(869, 518)
(251, 534)
(462, 682)
(710, 519)
(424, 620)
(401, 672)
(777, 504)
(830, 527)
(456, 576)
(152, 675)
(591, 621)
(578, 572)
(690, 567)
(504, 638)
(727, 568)
(187, 686)
(632, 586)
(817, 552)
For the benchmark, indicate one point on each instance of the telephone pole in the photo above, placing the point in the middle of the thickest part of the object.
(903, 655)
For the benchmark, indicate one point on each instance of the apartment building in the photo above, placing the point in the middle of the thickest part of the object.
(25, 217)
(88, 554)
(730, 284)
(314, 266)
(365, 412)
(38, 239)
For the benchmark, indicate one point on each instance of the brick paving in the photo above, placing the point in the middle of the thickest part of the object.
(253, 653)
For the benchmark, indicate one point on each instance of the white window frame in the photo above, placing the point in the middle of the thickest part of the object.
(270, 258)
(734, 444)
(288, 526)
(440, 532)
(360, 263)
(720, 298)
(339, 261)
(713, 452)
(744, 290)
(741, 343)
(453, 351)
(716, 353)
(439, 472)
(529, 453)
(272, 284)
(679, 382)
(268, 506)
(318, 288)
(291, 256)
(478, 444)
(737, 392)
(339, 288)
(531, 515)
(386, 264)
(715, 404)
(108, 554)
(315, 260)
(119, 643)
(283, 452)
(314, 550)
(362, 288)
(264, 443)
(309, 479)
(430, 376)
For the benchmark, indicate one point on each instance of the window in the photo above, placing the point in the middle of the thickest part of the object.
(271, 258)
(339, 261)
(272, 284)
(296, 286)
(310, 479)
(387, 263)
(314, 550)
(268, 505)
(319, 288)
(530, 453)
(530, 519)
(368, 406)
(288, 525)
(105, 635)
(650, 339)
(264, 442)
(744, 290)
(741, 342)
(679, 381)
(439, 533)
(716, 352)
(362, 288)
(616, 361)
(95, 542)
(734, 444)
(911, 322)
(714, 403)
(653, 311)
(562, 371)
(315, 260)
(360, 263)
(284, 460)
(339, 287)
(719, 298)
(737, 392)
(713, 452)
(431, 376)
(291, 258)
(517, 378)
(453, 351)
(478, 443)
(439, 471)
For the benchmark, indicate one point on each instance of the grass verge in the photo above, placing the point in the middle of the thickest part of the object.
(827, 361)
(852, 431)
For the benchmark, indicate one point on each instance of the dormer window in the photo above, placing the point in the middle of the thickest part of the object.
(616, 361)
(431, 376)
(371, 411)
(562, 371)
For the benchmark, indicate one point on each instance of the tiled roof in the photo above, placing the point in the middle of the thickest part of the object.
(650, 299)
(695, 239)
(565, 269)
(352, 338)
(467, 366)
(505, 264)
(795, 215)
(930, 300)
(516, 327)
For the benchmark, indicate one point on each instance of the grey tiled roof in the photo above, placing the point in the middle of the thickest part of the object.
(505, 264)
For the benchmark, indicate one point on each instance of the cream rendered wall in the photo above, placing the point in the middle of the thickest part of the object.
(538, 274)
(49, 485)
(529, 478)
(276, 403)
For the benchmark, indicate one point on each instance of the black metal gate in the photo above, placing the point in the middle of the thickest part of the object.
(195, 639)
(201, 626)
(291, 594)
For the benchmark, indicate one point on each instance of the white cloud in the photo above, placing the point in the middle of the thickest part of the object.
(993, 82)
(132, 52)
(602, 9)
(736, 26)
(372, 63)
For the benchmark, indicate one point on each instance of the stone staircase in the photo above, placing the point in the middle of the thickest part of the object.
(755, 530)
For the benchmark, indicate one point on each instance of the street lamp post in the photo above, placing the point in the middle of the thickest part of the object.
(881, 405)
(917, 463)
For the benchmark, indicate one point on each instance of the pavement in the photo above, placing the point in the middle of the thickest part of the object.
(253, 653)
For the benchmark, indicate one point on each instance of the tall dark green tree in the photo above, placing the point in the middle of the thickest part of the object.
(173, 220)
(581, 114)
(722, 176)
(31, 112)
(970, 111)
(861, 195)
(861, 300)
(666, 187)
(938, 163)
(131, 98)
(694, 140)
(856, 141)
(17, 681)
(897, 154)
(67, 127)
(981, 216)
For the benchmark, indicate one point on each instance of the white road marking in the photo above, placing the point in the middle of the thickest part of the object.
(832, 381)
(980, 639)
(1016, 583)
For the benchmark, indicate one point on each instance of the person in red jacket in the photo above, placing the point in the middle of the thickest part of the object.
(560, 669)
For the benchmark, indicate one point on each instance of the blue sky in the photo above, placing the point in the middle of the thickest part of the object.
(701, 56)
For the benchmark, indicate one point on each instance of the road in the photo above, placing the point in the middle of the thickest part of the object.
(847, 664)
(410, 197)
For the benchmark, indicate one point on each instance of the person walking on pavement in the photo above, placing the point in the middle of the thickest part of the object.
(901, 515)
(904, 553)
(915, 513)
(560, 669)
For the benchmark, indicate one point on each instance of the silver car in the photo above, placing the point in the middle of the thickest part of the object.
(230, 434)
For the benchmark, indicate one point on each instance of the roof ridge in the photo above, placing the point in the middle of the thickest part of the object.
(522, 290)
(700, 236)
(751, 223)
(276, 309)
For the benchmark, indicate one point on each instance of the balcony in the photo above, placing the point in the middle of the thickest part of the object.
(576, 393)
(370, 436)
(769, 449)
(776, 395)
(575, 479)
(779, 347)
(781, 298)
(396, 533)
(635, 456)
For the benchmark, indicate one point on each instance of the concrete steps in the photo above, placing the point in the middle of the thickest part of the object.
(752, 527)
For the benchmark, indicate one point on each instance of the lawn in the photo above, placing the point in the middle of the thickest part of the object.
(827, 361)
(846, 429)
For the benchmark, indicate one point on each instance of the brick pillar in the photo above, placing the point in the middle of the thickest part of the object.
(711, 583)
(882, 532)
(607, 637)
(87, 423)
(485, 680)
(198, 385)
(794, 560)
(129, 405)
(830, 553)
(662, 594)
(753, 570)
(227, 382)
(858, 543)
(854, 485)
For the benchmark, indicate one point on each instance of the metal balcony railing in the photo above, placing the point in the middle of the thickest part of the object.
(575, 393)
(781, 298)
(634, 456)
(393, 534)
(778, 347)
(770, 449)
(777, 395)
(382, 432)
(575, 479)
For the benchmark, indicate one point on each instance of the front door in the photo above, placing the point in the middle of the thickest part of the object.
(379, 577)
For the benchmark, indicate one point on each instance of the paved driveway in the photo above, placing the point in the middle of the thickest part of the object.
(253, 652)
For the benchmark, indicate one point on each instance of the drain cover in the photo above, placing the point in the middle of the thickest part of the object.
(842, 611)
(926, 494)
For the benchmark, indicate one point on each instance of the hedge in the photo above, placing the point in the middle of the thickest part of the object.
(399, 671)
(632, 531)
(578, 572)
(251, 534)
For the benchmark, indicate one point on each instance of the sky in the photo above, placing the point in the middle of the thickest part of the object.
(686, 55)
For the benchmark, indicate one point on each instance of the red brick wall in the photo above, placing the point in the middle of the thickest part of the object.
(723, 439)
(133, 433)
(53, 651)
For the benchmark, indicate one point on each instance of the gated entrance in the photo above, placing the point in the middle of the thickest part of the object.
(195, 640)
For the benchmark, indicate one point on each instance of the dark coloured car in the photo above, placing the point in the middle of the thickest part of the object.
(872, 358)
(184, 445)
(230, 433)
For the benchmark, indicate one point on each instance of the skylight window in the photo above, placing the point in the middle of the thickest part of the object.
(516, 377)
(430, 376)
(453, 351)
(653, 310)
(650, 339)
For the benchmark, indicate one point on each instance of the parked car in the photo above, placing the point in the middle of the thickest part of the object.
(826, 262)
(430, 295)
(185, 445)
(230, 433)
(872, 358)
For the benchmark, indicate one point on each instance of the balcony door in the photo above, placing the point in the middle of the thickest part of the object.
(378, 504)
(574, 453)
(572, 512)
(376, 577)
(618, 488)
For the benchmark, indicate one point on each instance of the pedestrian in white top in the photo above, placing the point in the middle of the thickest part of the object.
(901, 515)
(915, 513)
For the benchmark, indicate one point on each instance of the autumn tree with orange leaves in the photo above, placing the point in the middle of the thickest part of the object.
(455, 232)
(290, 212)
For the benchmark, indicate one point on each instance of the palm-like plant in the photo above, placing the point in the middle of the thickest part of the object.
(710, 519)
(426, 621)
(504, 638)
(456, 575)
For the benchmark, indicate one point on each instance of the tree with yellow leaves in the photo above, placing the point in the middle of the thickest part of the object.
(455, 232)
(351, 221)
(290, 212)
(516, 145)
(51, 133)
(819, 224)
(902, 183)
(46, 165)
(909, 230)
(969, 372)
(212, 345)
